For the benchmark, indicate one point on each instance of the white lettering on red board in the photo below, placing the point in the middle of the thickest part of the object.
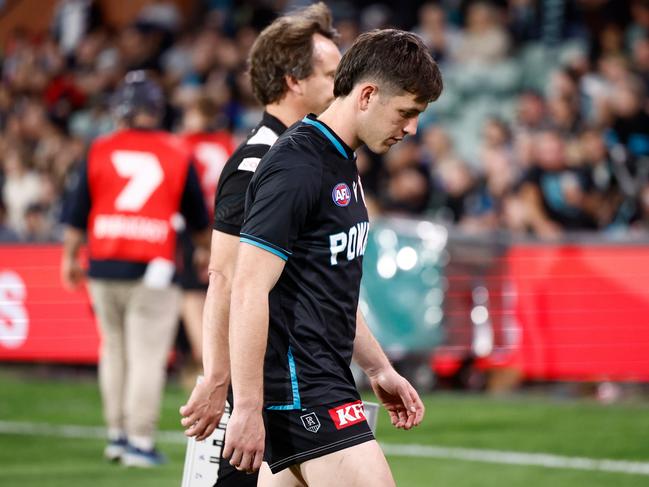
(14, 320)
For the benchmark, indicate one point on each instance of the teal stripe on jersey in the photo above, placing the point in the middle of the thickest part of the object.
(266, 242)
(265, 247)
(327, 134)
(297, 402)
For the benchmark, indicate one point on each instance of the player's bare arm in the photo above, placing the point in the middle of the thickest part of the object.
(71, 270)
(256, 273)
(203, 411)
(395, 393)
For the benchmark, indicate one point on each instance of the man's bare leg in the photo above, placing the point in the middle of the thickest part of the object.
(193, 302)
(289, 477)
(356, 466)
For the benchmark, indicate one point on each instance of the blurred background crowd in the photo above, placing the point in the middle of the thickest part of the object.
(542, 129)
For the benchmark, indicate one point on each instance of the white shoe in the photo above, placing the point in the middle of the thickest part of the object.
(134, 457)
(115, 449)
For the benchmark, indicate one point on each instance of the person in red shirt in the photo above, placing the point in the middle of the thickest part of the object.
(136, 191)
(210, 150)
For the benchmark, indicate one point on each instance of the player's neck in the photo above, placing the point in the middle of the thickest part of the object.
(340, 118)
(285, 113)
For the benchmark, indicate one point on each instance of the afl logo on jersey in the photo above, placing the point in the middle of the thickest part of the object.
(341, 194)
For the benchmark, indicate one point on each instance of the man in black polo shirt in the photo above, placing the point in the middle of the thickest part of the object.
(294, 324)
(292, 66)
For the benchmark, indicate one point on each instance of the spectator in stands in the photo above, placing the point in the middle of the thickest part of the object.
(7, 234)
(530, 112)
(530, 118)
(564, 83)
(484, 204)
(640, 221)
(496, 191)
(38, 227)
(5, 105)
(97, 65)
(640, 60)
(140, 48)
(162, 14)
(437, 144)
(72, 20)
(563, 115)
(437, 33)
(348, 29)
(91, 122)
(613, 183)
(556, 197)
(608, 41)
(496, 136)
(523, 20)
(601, 85)
(484, 41)
(455, 183)
(22, 186)
(407, 183)
(640, 21)
(630, 124)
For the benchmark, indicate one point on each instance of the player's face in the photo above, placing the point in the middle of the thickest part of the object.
(389, 119)
(318, 88)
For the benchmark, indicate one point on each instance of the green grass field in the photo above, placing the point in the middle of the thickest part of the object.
(518, 424)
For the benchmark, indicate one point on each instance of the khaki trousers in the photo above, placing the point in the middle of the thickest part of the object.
(137, 326)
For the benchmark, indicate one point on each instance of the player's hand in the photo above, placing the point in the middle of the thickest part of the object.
(399, 398)
(72, 273)
(203, 411)
(244, 443)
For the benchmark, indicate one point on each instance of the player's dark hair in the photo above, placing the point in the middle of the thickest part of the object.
(285, 48)
(393, 58)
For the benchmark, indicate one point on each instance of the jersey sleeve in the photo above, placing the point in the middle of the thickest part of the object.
(279, 203)
(230, 202)
(76, 203)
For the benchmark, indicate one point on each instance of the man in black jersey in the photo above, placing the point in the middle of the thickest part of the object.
(294, 324)
(292, 66)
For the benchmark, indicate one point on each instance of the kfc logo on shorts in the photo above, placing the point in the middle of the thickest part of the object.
(341, 194)
(310, 422)
(348, 414)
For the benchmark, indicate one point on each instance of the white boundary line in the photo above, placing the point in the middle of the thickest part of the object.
(74, 431)
(515, 458)
(544, 460)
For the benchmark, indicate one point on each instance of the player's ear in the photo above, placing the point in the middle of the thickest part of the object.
(293, 84)
(366, 94)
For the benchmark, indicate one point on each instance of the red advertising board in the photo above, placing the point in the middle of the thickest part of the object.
(554, 312)
(582, 311)
(559, 312)
(39, 320)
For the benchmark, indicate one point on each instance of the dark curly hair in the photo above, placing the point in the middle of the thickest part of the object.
(394, 58)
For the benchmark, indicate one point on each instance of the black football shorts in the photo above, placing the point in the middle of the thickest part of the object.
(295, 436)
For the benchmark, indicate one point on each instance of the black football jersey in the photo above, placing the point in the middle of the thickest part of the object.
(230, 199)
(305, 204)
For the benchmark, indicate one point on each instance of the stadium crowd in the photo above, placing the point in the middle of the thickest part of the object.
(543, 127)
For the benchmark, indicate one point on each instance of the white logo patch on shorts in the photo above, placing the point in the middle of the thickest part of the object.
(311, 422)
